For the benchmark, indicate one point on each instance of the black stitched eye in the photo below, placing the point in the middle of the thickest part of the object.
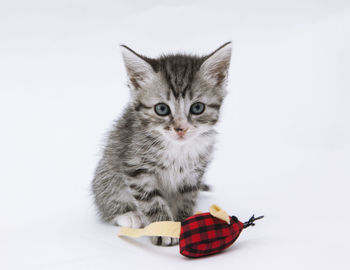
(197, 108)
(162, 109)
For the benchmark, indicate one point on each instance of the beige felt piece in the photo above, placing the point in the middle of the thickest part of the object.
(217, 212)
(169, 228)
(160, 228)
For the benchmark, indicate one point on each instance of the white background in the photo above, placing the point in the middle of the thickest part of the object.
(283, 148)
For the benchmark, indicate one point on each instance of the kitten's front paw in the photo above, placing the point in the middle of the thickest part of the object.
(164, 241)
(130, 220)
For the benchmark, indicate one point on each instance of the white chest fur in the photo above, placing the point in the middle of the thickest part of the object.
(180, 161)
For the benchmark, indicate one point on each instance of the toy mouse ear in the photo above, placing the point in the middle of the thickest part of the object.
(217, 212)
(215, 66)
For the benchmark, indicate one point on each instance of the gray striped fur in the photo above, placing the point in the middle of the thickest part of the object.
(147, 173)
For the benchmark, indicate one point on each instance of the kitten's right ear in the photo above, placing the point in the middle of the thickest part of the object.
(215, 66)
(138, 67)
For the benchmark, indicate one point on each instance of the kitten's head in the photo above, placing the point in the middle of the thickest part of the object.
(178, 95)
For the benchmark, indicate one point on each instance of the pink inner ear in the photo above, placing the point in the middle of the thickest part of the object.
(216, 66)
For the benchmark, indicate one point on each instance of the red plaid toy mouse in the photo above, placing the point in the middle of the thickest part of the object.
(200, 235)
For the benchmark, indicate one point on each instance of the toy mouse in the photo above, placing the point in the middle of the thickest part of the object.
(200, 235)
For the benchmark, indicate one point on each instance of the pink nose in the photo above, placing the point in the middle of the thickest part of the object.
(180, 131)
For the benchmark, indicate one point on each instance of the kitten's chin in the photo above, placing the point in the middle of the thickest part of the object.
(181, 140)
(177, 139)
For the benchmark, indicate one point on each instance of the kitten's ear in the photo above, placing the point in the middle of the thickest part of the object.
(138, 67)
(215, 66)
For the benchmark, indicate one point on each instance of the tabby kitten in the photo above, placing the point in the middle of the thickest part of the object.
(158, 151)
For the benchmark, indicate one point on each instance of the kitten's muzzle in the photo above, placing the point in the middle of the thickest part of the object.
(180, 131)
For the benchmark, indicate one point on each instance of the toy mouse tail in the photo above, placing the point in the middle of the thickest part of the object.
(250, 222)
(160, 228)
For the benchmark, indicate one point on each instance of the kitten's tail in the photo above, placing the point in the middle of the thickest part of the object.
(204, 187)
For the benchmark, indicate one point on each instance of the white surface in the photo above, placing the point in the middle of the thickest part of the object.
(283, 149)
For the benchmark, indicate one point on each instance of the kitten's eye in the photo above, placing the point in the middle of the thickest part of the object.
(197, 108)
(162, 109)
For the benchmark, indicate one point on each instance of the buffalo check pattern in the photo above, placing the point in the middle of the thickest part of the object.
(203, 235)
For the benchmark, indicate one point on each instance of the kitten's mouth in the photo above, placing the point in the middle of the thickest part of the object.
(183, 138)
(179, 137)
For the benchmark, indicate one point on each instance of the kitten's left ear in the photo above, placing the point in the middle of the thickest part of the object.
(215, 66)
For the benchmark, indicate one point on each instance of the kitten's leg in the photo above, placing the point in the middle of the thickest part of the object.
(114, 202)
(152, 204)
(132, 219)
(185, 201)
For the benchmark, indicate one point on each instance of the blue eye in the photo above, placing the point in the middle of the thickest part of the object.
(197, 108)
(162, 109)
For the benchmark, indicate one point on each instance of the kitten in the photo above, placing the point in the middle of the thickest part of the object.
(158, 151)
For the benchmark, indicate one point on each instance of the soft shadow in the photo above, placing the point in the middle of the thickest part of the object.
(230, 251)
(152, 249)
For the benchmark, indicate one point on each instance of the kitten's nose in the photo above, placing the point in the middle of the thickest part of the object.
(180, 131)
(180, 126)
